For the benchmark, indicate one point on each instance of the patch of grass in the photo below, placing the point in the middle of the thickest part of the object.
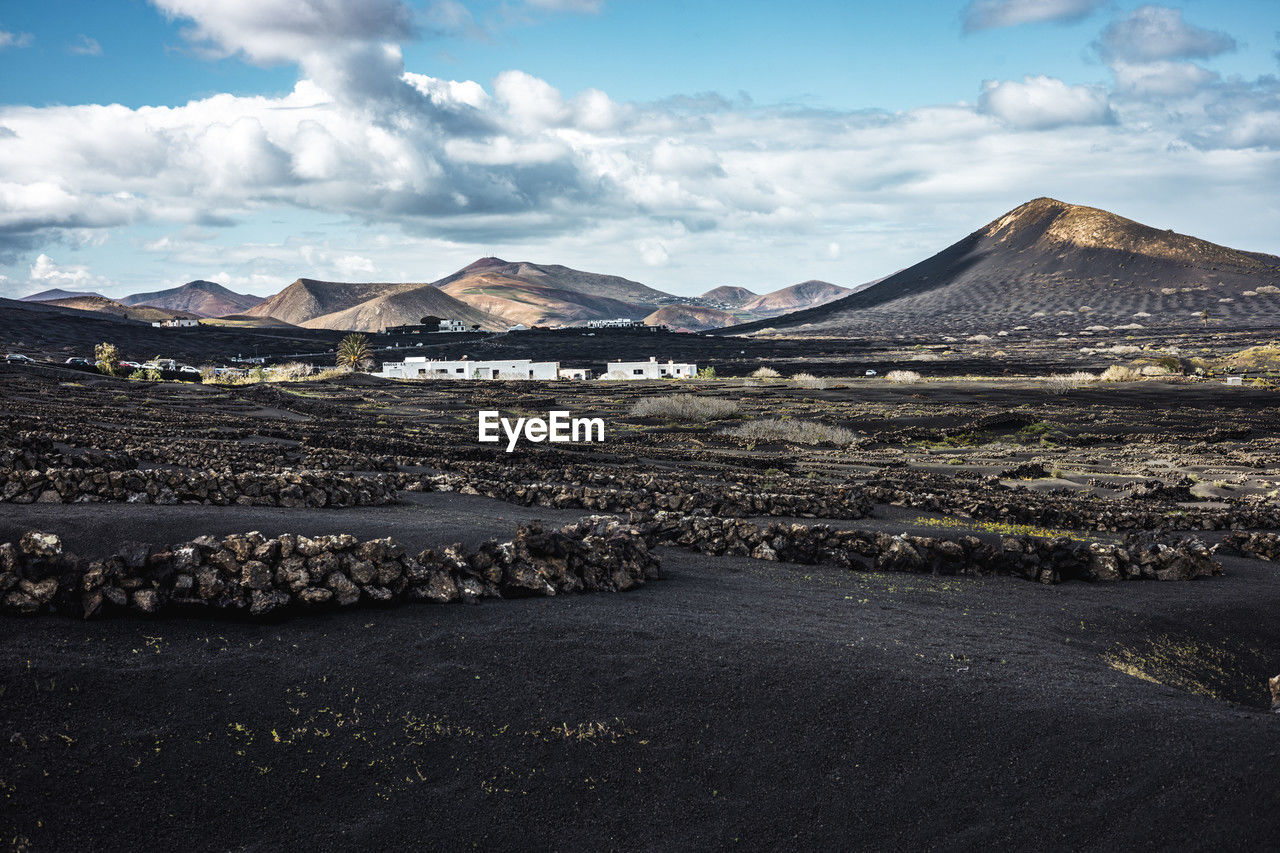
(1002, 528)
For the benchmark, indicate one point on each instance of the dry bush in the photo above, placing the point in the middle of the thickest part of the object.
(903, 377)
(1120, 373)
(794, 432)
(765, 373)
(289, 372)
(1063, 383)
(1156, 370)
(808, 380)
(684, 408)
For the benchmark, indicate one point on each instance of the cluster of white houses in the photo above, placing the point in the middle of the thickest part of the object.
(420, 367)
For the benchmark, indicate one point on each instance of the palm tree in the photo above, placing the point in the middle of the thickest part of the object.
(354, 352)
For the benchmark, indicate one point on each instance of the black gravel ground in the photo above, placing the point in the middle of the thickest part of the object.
(734, 703)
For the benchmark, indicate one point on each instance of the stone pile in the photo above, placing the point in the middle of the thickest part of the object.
(160, 486)
(1263, 546)
(252, 574)
(1045, 560)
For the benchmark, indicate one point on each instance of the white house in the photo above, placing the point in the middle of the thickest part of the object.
(452, 326)
(175, 323)
(420, 367)
(619, 323)
(1235, 380)
(651, 369)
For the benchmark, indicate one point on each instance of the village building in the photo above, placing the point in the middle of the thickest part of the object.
(651, 369)
(176, 323)
(618, 323)
(420, 367)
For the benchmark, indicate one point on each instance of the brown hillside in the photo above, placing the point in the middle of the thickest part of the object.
(691, 318)
(205, 298)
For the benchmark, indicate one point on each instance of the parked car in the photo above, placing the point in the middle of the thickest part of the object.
(76, 361)
(186, 368)
(19, 358)
(871, 373)
(132, 365)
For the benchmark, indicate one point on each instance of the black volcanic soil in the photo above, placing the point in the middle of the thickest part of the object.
(732, 703)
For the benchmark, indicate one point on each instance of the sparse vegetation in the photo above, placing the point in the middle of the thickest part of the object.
(808, 380)
(1064, 383)
(1120, 373)
(685, 408)
(707, 373)
(765, 373)
(794, 432)
(903, 377)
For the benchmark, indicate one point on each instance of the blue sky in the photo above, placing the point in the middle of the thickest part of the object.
(684, 144)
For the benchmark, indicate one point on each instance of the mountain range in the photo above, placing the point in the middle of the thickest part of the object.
(1046, 266)
(1050, 266)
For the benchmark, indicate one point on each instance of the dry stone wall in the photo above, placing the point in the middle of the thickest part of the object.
(252, 574)
(164, 486)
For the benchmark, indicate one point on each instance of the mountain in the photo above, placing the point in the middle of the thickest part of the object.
(206, 298)
(807, 294)
(58, 293)
(690, 318)
(103, 305)
(364, 307)
(1050, 266)
(552, 295)
(402, 307)
(727, 296)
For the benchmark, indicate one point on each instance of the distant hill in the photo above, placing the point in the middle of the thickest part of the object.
(690, 318)
(1052, 266)
(58, 293)
(551, 295)
(807, 294)
(364, 307)
(103, 305)
(402, 307)
(205, 298)
(727, 296)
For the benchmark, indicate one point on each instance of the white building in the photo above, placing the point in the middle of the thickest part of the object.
(1235, 380)
(619, 323)
(452, 326)
(175, 323)
(420, 367)
(651, 369)
(574, 373)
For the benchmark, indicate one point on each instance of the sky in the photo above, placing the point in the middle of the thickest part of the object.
(687, 145)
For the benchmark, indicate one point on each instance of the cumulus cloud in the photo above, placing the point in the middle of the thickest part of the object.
(990, 14)
(85, 46)
(45, 274)
(1044, 102)
(11, 39)
(1157, 33)
(1162, 79)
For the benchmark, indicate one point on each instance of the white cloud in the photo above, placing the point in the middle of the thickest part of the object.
(85, 46)
(1156, 33)
(1044, 102)
(989, 14)
(45, 274)
(11, 39)
(586, 6)
(653, 253)
(1162, 79)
